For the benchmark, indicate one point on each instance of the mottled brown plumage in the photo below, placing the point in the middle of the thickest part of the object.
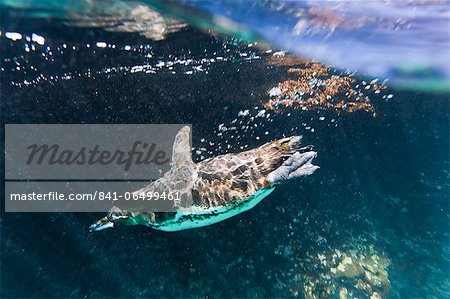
(227, 178)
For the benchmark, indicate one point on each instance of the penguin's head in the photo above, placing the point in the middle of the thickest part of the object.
(118, 217)
(101, 224)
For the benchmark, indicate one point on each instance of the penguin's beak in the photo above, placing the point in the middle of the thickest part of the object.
(101, 224)
(118, 217)
(114, 218)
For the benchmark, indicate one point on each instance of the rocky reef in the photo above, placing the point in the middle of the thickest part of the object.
(313, 86)
(356, 273)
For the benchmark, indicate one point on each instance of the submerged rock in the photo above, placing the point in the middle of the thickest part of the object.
(360, 273)
(314, 86)
(343, 293)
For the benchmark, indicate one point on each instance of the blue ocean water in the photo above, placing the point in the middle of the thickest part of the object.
(380, 198)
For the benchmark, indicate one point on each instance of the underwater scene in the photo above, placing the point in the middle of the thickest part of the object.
(320, 146)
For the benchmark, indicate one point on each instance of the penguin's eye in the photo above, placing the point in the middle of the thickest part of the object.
(114, 213)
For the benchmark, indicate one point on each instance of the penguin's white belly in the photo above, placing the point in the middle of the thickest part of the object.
(204, 217)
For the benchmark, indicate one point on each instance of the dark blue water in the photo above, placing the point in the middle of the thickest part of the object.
(382, 191)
